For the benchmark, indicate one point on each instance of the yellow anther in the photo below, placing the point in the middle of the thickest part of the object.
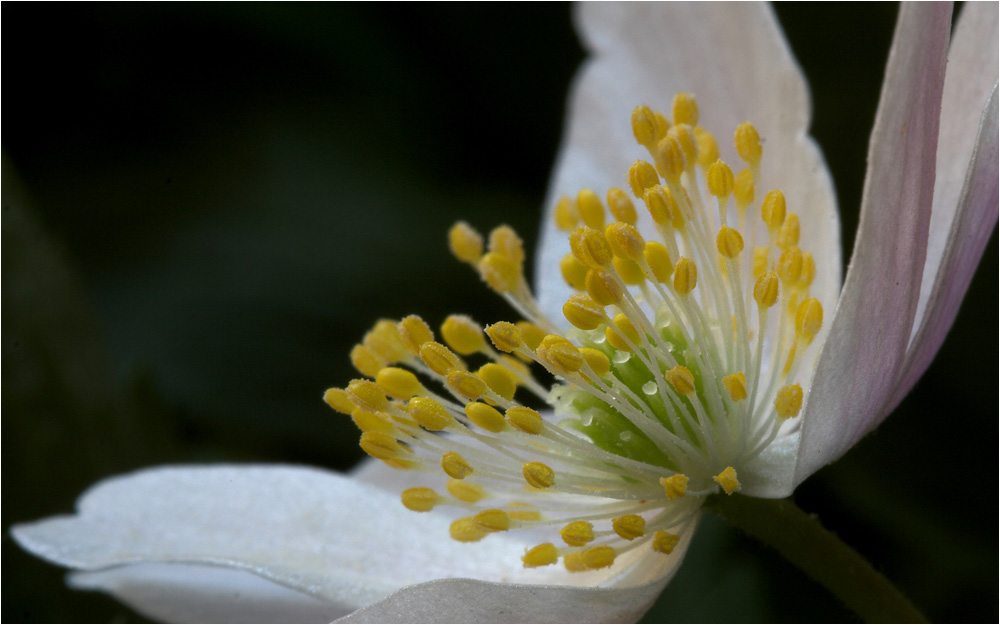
(625, 241)
(541, 555)
(598, 557)
(385, 341)
(621, 206)
(808, 270)
(574, 563)
(590, 247)
(583, 312)
(520, 511)
(429, 413)
(440, 359)
(499, 272)
(729, 242)
(504, 241)
(736, 384)
(414, 332)
(590, 208)
(788, 401)
(629, 271)
(662, 124)
(685, 109)
(602, 288)
(761, 255)
(462, 334)
(747, 143)
(664, 542)
(402, 464)
(577, 533)
(373, 421)
(641, 176)
(398, 383)
(727, 480)
(685, 138)
(597, 361)
(465, 530)
(675, 486)
(420, 499)
(465, 243)
(500, 380)
(565, 215)
(365, 361)
(486, 417)
(505, 336)
(772, 209)
(660, 204)
(560, 355)
(743, 189)
(538, 475)
(788, 233)
(630, 526)
(708, 148)
(790, 266)
(672, 162)
(626, 328)
(525, 420)
(720, 180)
(644, 126)
(337, 399)
(765, 289)
(381, 445)
(531, 334)
(658, 259)
(685, 276)
(455, 466)
(573, 272)
(492, 520)
(681, 378)
(366, 395)
(808, 319)
(468, 385)
(464, 491)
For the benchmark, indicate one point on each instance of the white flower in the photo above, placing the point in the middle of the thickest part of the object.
(285, 543)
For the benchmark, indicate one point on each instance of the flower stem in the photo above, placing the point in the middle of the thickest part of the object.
(802, 540)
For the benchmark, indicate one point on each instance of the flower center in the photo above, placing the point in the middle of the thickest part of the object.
(679, 370)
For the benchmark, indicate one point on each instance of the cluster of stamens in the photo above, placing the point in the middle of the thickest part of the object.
(679, 369)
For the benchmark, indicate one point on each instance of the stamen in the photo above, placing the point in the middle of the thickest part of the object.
(668, 382)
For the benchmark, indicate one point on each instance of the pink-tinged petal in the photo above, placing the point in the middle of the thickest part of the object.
(194, 593)
(734, 59)
(970, 231)
(316, 533)
(972, 71)
(862, 359)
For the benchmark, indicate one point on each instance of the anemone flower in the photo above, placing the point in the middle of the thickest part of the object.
(698, 365)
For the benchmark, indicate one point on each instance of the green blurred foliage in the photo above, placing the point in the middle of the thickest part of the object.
(229, 195)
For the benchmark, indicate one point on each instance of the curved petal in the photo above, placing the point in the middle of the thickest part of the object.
(192, 593)
(311, 531)
(861, 360)
(734, 59)
(956, 240)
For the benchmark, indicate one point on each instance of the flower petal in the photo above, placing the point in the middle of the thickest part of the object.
(956, 240)
(192, 593)
(734, 59)
(861, 360)
(311, 531)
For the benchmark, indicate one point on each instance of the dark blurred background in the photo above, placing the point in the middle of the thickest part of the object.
(205, 206)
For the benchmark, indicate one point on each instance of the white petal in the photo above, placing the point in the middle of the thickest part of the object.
(861, 360)
(972, 72)
(341, 541)
(734, 59)
(193, 593)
